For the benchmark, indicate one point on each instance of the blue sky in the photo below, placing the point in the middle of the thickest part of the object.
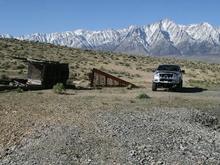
(18, 17)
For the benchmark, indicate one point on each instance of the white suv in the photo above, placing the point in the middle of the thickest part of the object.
(167, 76)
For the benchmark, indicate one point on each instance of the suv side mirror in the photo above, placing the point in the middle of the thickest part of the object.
(183, 71)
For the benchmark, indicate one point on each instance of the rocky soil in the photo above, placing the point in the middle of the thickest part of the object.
(137, 136)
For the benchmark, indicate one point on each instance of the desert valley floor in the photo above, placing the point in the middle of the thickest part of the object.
(110, 126)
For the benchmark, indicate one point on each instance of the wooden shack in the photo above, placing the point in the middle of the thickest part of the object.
(99, 78)
(46, 73)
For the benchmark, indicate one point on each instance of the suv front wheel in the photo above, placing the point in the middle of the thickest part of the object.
(154, 86)
(180, 85)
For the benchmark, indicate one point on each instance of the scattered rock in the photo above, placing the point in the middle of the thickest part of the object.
(157, 136)
(205, 119)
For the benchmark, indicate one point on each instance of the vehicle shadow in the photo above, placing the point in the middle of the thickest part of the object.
(189, 90)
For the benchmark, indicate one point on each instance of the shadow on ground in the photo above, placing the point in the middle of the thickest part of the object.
(185, 90)
(190, 90)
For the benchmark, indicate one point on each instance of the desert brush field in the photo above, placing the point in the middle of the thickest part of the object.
(136, 69)
(108, 125)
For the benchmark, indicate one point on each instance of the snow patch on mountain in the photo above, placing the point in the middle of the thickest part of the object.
(5, 36)
(161, 38)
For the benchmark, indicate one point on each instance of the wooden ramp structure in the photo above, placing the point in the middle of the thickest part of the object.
(99, 78)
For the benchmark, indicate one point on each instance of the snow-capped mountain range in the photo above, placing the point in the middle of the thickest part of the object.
(161, 38)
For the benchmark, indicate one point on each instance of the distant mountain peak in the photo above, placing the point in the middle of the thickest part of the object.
(167, 21)
(206, 24)
(164, 37)
(6, 36)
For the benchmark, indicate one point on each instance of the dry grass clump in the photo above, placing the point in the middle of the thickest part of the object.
(4, 77)
(143, 96)
(59, 88)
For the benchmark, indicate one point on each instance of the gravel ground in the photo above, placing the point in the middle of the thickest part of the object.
(138, 136)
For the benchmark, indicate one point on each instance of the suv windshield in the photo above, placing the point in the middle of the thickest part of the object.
(169, 67)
